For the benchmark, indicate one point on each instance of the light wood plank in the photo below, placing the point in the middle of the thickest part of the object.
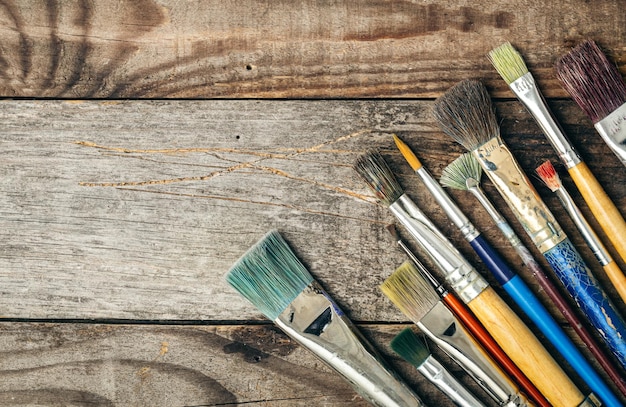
(166, 48)
(136, 210)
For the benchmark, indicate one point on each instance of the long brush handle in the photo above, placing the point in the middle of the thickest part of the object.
(592, 300)
(617, 277)
(479, 332)
(607, 215)
(534, 309)
(525, 349)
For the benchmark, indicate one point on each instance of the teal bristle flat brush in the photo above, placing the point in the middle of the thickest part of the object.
(273, 279)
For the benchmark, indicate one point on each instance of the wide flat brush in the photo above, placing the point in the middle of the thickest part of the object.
(465, 173)
(466, 114)
(512, 283)
(497, 317)
(511, 66)
(414, 296)
(547, 173)
(274, 280)
(414, 350)
(597, 87)
(473, 325)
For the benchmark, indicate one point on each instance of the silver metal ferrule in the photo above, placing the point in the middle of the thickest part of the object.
(438, 375)
(458, 272)
(443, 328)
(526, 90)
(593, 241)
(448, 205)
(318, 324)
(613, 130)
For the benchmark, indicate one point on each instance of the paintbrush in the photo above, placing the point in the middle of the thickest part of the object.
(414, 350)
(510, 64)
(496, 316)
(597, 87)
(465, 173)
(473, 325)
(512, 283)
(410, 292)
(274, 280)
(548, 175)
(466, 114)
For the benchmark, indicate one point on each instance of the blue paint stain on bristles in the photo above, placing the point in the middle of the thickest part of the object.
(269, 275)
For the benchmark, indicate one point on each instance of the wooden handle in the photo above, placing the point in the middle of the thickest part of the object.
(617, 277)
(525, 349)
(603, 209)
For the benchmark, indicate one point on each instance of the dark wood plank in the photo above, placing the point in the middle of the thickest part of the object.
(312, 49)
(136, 210)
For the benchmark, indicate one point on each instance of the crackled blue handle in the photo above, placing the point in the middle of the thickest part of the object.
(571, 269)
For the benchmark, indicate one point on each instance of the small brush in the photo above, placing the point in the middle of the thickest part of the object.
(414, 296)
(474, 326)
(274, 280)
(497, 317)
(511, 66)
(414, 350)
(464, 174)
(549, 176)
(597, 87)
(512, 283)
(466, 114)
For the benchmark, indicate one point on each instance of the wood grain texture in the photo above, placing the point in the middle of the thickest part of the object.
(284, 49)
(136, 210)
(175, 366)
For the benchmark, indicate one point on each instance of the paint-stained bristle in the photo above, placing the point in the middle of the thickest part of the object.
(592, 80)
(548, 175)
(376, 173)
(508, 62)
(269, 275)
(410, 292)
(460, 171)
(410, 347)
(466, 114)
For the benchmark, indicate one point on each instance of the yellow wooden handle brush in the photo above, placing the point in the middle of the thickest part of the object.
(511, 66)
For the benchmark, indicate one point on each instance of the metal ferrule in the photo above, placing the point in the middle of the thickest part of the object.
(461, 276)
(613, 130)
(506, 174)
(448, 205)
(315, 321)
(593, 241)
(443, 328)
(526, 90)
(438, 375)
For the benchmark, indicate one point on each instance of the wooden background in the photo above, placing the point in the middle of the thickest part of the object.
(144, 146)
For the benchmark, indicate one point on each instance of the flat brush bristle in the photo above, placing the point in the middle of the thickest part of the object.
(410, 292)
(548, 175)
(460, 171)
(376, 173)
(410, 347)
(508, 62)
(466, 114)
(269, 275)
(592, 80)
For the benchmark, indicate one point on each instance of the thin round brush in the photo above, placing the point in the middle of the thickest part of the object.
(511, 66)
(466, 114)
(512, 283)
(464, 174)
(473, 325)
(549, 176)
(273, 279)
(497, 317)
(414, 350)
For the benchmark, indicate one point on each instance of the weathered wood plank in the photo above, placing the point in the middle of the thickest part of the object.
(166, 48)
(136, 210)
(134, 365)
